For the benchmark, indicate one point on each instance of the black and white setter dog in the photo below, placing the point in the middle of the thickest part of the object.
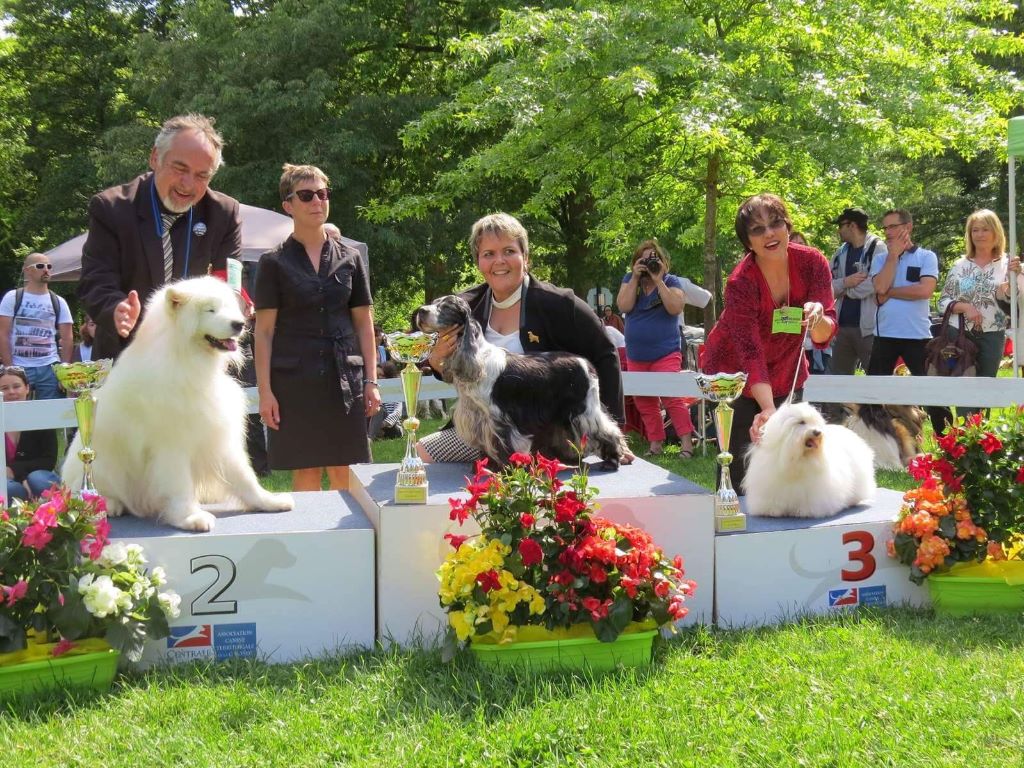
(540, 402)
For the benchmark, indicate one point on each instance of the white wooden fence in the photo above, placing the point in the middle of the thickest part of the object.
(903, 390)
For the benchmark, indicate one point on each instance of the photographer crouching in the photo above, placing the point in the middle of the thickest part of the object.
(652, 300)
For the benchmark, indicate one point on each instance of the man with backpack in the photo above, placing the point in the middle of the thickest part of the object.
(854, 292)
(35, 328)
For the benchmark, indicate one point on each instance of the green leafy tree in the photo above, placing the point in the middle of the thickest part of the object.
(658, 116)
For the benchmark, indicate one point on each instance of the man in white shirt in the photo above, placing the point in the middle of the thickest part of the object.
(35, 328)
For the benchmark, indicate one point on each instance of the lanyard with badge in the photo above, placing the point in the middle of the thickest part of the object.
(160, 226)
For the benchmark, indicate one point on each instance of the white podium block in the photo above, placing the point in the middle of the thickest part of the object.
(782, 568)
(278, 587)
(411, 545)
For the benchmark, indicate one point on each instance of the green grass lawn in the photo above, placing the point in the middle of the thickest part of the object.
(894, 687)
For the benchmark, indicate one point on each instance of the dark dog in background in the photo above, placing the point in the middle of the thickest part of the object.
(512, 403)
(894, 432)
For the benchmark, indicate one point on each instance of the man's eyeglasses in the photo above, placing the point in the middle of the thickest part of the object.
(305, 195)
(42, 266)
(761, 229)
(887, 227)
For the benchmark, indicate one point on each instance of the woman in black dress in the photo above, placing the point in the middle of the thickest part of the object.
(316, 361)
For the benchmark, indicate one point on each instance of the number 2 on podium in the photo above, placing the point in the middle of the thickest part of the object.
(860, 554)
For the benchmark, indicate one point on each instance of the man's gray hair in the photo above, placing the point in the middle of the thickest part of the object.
(193, 121)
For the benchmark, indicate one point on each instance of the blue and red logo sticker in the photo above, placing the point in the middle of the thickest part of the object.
(221, 641)
(853, 596)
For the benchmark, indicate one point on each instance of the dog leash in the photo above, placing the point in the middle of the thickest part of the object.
(799, 360)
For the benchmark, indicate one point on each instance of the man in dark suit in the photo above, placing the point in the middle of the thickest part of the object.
(161, 226)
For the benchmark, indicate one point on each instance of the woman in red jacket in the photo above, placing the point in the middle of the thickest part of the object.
(778, 290)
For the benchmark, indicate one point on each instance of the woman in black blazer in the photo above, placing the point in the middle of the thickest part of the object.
(523, 314)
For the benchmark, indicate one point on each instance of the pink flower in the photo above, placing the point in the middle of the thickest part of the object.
(45, 515)
(62, 647)
(36, 536)
(99, 504)
(598, 608)
(16, 592)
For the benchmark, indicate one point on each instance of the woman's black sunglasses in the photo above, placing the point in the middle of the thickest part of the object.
(305, 195)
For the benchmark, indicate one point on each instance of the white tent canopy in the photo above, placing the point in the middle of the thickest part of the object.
(262, 229)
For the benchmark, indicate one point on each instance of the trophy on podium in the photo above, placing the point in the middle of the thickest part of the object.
(723, 388)
(81, 380)
(411, 349)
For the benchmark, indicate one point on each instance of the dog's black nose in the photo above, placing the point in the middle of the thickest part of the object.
(815, 433)
(237, 326)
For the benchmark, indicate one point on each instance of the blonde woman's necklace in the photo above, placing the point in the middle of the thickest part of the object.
(512, 300)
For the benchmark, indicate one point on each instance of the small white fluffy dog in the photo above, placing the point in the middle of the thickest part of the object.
(804, 467)
(170, 420)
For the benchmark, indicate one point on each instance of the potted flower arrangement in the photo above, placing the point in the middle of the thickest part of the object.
(547, 580)
(67, 593)
(958, 528)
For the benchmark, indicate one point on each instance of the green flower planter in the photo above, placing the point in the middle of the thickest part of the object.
(568, 650)
(92, 665)
(970, 588)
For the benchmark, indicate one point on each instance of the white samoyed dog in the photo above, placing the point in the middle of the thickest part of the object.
(170, 420)
(804, 467)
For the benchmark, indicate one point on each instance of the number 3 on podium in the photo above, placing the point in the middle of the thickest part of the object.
(861, 553)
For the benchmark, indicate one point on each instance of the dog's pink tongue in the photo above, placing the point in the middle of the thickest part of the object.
(230, 345)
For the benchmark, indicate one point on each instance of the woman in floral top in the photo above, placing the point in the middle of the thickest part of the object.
(974, 283)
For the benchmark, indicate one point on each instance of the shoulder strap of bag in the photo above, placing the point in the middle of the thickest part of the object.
(18, 296)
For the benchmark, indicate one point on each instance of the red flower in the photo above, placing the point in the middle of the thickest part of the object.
(550, 467)
(598, 575)
(455, 540)
(565, 578)
(488, 580)
(62, 647)
(921, 466)
(460, 510)
(676, 609)
(480, 468)
(974, 419)
(531, 552)
(598, 608)
(527, 520)
(520, 459)
(567, 507)
(955, 484)
(36, 536)
(662, 587)
(990, 443)
(1020, 474)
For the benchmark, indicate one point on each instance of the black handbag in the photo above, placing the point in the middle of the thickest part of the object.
(956, 356)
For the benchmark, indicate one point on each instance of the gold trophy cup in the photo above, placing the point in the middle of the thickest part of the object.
(81, 380)
(411, 349)
(723, 388)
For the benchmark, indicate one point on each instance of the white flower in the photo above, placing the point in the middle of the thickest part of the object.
(113, 555)
(170, 603)
(135, 556)
(101, 597)
(158, 576)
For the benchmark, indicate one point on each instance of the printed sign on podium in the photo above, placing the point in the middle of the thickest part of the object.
(278, 587)
(782, 568)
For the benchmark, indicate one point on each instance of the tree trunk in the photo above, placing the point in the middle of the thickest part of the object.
(573, 214)
(712, 270)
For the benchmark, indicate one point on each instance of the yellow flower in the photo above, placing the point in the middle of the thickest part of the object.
(458, 622)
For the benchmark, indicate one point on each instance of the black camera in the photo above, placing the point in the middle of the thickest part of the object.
(652, 263)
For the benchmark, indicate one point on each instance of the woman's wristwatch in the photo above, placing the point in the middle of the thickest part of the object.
(367, 382)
